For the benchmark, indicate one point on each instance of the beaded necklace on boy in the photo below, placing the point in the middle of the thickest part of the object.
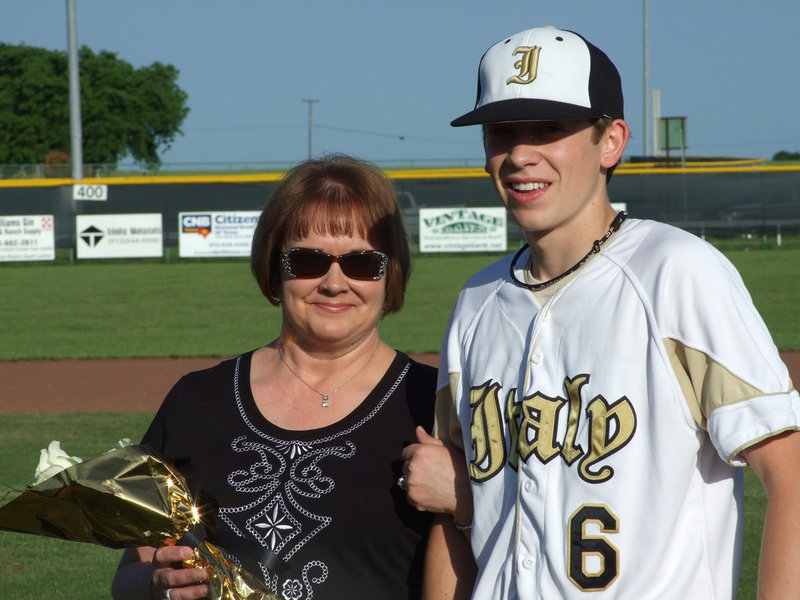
(615, 225)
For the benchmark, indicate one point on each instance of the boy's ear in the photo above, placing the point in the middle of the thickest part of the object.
(614, 141)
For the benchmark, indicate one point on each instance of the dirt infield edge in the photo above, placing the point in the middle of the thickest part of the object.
(127, 385)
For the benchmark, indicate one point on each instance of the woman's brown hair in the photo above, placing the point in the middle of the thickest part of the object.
(340, 196)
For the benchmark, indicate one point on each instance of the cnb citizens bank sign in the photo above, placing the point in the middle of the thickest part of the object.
(216, 233)
(462, 229)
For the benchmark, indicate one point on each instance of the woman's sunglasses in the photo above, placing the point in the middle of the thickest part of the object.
(305, 263)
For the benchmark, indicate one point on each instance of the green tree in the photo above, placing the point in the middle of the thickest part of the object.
(124, 111)
(784, 155)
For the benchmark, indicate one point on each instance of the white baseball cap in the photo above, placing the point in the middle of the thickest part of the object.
(545, 74)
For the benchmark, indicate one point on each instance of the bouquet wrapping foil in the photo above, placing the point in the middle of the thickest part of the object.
(126, 498)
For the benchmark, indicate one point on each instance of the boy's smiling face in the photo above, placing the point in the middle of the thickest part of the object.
(551, 174)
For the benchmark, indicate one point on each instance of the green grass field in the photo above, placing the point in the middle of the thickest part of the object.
(214, 309)
(34, 567)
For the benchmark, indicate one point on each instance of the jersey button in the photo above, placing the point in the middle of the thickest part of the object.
(537, 357)
(529, 486)
(527, 563)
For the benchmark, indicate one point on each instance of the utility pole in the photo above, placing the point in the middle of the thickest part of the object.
(310, 103)
(648, 125)
(76, 135)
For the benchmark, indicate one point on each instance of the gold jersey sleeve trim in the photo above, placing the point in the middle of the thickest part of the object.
(446, 425)
(706, 384)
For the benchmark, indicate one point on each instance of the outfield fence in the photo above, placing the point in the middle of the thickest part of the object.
(717, 201)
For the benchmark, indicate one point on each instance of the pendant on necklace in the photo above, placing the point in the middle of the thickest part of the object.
(325, 400)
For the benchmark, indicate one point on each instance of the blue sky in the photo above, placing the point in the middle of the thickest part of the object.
(389, 76)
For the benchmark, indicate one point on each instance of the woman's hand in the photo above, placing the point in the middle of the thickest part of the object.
(147, 573)
(171, 581)
(436, 478)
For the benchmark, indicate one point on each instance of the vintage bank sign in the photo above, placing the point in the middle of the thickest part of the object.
(465, 229)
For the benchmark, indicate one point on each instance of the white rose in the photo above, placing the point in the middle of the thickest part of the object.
(53, 460)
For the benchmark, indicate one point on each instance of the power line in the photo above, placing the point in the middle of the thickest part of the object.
(328, 127)
(396, 136)
(361, 131)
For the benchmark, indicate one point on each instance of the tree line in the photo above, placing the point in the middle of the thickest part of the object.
(784, 155)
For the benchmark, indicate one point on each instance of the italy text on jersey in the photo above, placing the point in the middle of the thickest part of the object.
(532, 425)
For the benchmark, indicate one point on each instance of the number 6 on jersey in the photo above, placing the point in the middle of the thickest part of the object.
(592, 560)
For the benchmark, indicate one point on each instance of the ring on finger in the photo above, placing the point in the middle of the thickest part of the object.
(402, 484)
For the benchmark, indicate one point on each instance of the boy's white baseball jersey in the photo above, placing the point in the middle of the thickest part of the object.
(603, 429)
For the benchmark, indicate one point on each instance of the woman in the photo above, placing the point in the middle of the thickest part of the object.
(298, 443)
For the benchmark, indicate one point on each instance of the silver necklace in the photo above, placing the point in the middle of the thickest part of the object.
(326, 397)
(615, 225)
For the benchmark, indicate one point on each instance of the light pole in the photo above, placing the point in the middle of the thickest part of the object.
(310, 103)
(646, 79)
(76, 135)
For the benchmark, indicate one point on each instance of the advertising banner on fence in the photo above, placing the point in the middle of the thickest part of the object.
(462, 229)
(119, 236)
(27, 237)
(209, 233)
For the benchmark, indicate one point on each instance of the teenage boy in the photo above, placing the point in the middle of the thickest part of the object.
(608, 379)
